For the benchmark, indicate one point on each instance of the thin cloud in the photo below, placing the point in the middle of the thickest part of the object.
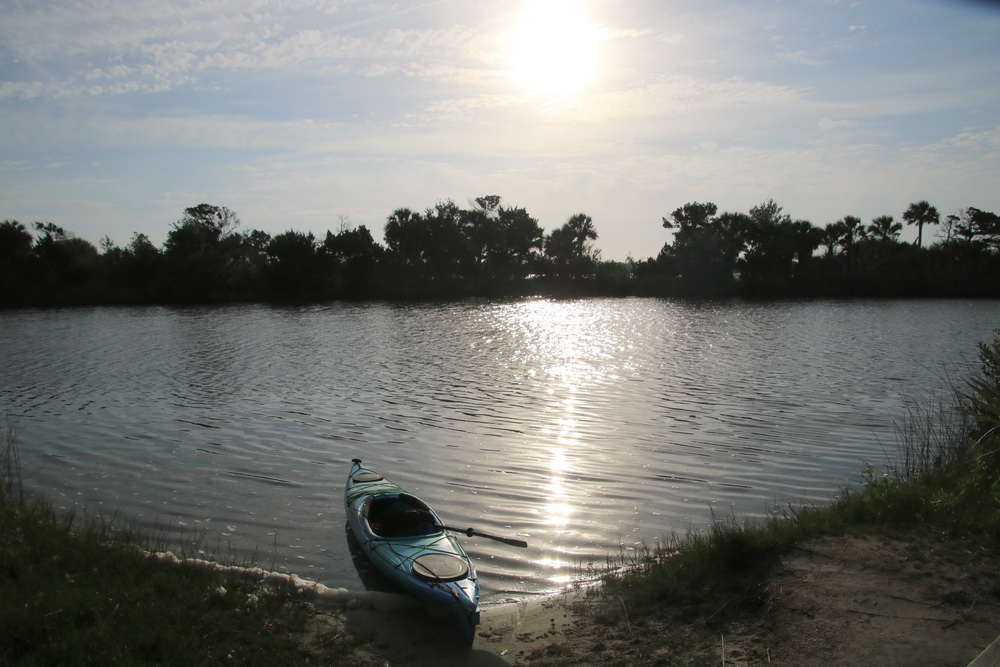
(975, 139)
(828, 123)
(684, 95)
(799, 58)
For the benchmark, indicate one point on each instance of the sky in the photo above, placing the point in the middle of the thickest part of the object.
(313, 115)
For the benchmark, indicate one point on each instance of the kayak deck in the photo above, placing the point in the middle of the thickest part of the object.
(405, 540)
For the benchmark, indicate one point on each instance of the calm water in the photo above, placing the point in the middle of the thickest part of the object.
(580, 426)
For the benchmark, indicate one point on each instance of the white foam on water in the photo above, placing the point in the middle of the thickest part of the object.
(312, 591)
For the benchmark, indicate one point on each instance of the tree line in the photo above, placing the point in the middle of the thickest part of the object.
(765, 253)
(488, 249)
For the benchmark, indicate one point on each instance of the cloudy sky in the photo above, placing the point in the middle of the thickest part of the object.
(115, 115)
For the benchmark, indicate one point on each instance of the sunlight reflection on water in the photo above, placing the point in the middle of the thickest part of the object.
(582, 426)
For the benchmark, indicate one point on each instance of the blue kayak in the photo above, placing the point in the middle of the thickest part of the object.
(406, 541)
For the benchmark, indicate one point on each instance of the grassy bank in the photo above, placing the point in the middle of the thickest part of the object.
(78, 592)
(943, 494)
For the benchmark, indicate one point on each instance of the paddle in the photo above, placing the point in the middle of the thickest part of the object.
(471, 532)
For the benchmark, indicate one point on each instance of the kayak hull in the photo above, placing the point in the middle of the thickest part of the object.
(404, 539)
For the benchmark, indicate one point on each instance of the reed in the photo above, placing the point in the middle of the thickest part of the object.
(11, 489)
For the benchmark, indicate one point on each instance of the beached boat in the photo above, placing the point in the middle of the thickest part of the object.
(408, 543)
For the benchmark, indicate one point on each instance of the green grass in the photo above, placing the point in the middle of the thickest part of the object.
(945, 490)
(85, 593)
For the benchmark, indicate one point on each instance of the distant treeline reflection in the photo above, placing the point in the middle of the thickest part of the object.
(492, 250)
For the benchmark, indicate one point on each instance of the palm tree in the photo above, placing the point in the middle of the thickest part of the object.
(920, 214)
(884, 228)
(832, 234)
(852, 231)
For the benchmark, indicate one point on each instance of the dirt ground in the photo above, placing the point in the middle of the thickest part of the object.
(835, 601)
(869, 601)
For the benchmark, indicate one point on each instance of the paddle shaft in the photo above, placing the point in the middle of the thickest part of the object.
(471, 532)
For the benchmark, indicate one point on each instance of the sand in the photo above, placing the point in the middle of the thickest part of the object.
(834, 601)
(507, 635)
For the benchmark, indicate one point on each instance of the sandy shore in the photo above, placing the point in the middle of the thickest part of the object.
(834, 601)
(509, 633)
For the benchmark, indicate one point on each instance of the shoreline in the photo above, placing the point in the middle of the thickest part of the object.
(402, 630)
(508, 634)
(914, 597)
(834, 600)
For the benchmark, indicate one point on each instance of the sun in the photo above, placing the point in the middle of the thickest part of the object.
(553, 49)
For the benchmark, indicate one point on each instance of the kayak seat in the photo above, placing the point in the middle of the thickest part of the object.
(408, 523)
(399, 516)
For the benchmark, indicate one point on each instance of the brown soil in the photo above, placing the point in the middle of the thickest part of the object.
(870, 601)
(835, 601)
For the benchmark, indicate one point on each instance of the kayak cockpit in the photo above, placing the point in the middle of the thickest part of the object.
(399, 515)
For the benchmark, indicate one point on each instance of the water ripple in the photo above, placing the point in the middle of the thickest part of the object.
(583, 426)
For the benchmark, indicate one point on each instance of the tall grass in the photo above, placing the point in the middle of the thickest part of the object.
(951, 478)
(11, 489)
(984, 393)
(931, 435)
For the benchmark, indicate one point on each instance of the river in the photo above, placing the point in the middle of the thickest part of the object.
(582, 426)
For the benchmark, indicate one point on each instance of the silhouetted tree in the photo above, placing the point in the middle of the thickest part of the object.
(768, 244)
(975, 227)
(132, 273)
(490, 249)
(15, 241)
(257, 240)
(987, 225)
(884, 229)
(503, 241)
(832, 234)
(16, 260)
(429, 252)
(448, 255)
(955, 227)
(405, 237)
(921, 213)
(523, 238)
(569, 248)
(355, 258)
(200, 253)
(485, 238)
(775, 249)
(488, 203)
(295, 270)
(145, 261)
(808, 238)
(66, 265)
(47, 234)
(252, 261)
(703, 255)
(845, 234)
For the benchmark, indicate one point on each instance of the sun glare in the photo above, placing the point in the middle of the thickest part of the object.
(553, 50)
